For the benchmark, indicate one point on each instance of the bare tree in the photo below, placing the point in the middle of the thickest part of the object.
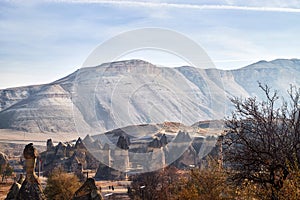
(155, 185)
(263, 140)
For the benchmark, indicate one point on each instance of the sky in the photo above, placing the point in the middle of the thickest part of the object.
(42, 41)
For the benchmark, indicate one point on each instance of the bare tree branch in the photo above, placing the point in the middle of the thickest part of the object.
(263, 137)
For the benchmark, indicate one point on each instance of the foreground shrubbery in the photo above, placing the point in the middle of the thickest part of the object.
(61, 185)
(212, 183)
(262, 145)
(209, 183)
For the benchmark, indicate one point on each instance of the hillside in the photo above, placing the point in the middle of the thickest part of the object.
(113, 95)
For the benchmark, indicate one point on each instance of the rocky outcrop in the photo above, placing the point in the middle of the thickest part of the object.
(182, 137)
(177, 147)
(107, 173)
(76, 167)
(120, 159)
(159, 142)
(3, 161)
(88, 191)
(164, 140)
(90, 143)
(15, 188)
(61, 150)
(155, 143)
(50, 145)
(123, 142)
(187, 159)
(13, 191)
(31, 187)
(79, 144)
(73, 158)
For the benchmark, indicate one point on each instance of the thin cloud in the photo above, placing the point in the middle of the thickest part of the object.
(187, 6)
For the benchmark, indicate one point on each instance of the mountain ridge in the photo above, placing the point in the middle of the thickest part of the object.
(141, 88)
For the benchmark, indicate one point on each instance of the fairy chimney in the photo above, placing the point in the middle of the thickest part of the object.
(88, 191)
(31, 187)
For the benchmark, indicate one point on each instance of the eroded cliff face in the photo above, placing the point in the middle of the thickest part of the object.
(11, 96)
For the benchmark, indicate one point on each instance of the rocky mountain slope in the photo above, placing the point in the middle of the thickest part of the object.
(113, 95)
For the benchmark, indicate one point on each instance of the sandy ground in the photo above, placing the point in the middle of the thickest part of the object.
(119, 192)
(19, 137)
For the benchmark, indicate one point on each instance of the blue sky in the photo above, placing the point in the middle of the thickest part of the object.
(41, 41)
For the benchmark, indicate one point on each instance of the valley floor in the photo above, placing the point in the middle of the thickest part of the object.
(19, 137)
